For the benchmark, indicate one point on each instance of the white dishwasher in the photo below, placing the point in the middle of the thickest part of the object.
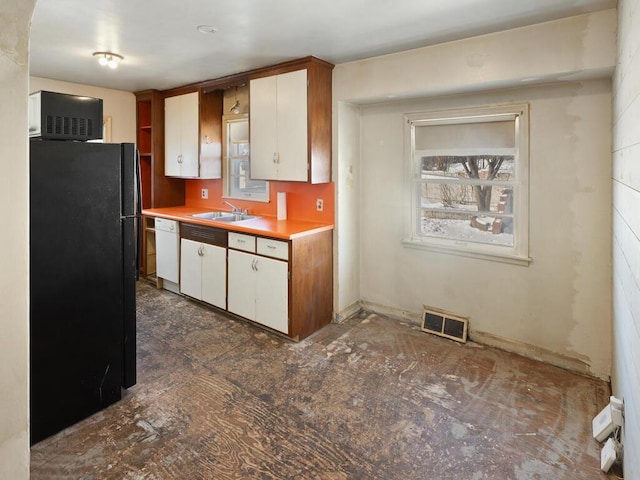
(168, 253)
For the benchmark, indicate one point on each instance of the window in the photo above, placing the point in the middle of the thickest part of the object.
(468, 171)
(237, 181)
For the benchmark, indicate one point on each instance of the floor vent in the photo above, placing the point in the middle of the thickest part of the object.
(444, 324)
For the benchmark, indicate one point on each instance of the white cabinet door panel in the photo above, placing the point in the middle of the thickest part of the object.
(292, 126)
(241, 284)
(181, 135)
(214, 275)
(263, 127)
(190, 269)
(190, 134)
(172, 119)
(272, 297)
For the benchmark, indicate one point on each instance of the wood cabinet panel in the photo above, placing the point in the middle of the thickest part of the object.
(211, 134)
(158, 190)
(311, 295)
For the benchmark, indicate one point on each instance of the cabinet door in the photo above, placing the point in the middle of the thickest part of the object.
(242, 284)
(263, 129)
(272, 294)
(292, 126)
(214, 275)
(172, 136)
(191, 268)
(189, 134)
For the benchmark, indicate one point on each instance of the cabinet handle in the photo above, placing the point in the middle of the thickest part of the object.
(200, 251)
(272, 247)
(240, 240)
(274, 157)
(256, 264)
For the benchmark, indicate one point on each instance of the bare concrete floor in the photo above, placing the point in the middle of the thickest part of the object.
(372, 398)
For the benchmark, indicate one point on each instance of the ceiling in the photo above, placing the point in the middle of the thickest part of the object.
(162, 47)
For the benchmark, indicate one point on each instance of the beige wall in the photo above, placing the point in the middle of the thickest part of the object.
(119, 105)
(569, 49)
(347, 232)
(626, 230)
(15, 16)
(557, 309)
(561, 302)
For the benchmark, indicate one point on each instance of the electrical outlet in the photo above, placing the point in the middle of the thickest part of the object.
(204, 193)
(608, 419)
(319, 205)
(608, 455)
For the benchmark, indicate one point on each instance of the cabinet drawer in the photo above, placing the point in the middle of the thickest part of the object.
(273, 248)
(240, 241)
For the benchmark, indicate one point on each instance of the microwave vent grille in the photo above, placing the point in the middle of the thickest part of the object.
(72, 127)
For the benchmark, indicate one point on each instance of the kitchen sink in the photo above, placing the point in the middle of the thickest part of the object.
(227, 217)
(210, 215)
(238, 217)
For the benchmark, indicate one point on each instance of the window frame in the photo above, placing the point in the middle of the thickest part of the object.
(227, 159)
(414, 238)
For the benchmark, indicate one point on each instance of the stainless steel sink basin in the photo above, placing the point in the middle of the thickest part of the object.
(235, 218)
(224, 216)
(210, 215)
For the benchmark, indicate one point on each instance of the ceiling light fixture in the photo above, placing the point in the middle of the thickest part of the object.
(108, 59)
(206, 29)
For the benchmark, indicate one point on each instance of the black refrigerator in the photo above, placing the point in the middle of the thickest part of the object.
(84, 217)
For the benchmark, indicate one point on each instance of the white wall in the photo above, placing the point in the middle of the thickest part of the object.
(559, 308)
(561, 302)
(119, 105)
(626, 230)
(347, 232)
(572, 48)
(15, 16)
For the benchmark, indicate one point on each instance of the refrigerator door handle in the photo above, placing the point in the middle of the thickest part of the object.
(138, 211)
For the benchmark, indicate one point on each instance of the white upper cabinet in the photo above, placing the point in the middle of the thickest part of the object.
(181, 135)
(278, 127)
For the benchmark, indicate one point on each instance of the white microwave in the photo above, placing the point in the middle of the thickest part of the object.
(60, 116)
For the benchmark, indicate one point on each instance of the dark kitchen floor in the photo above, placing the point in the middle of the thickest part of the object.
(372, 398)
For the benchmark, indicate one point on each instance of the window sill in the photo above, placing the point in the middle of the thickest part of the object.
(466, 252)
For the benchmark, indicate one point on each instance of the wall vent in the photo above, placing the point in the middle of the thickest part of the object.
(444, 324)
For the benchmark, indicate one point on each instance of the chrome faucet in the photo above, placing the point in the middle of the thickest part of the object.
(235, 210)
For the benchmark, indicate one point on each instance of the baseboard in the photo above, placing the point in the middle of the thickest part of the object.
(353, 309)
(531, 351)
(395, 313)
(520, 348)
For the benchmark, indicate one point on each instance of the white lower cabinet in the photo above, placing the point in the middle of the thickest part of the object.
(259, 289)
(203, 272)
